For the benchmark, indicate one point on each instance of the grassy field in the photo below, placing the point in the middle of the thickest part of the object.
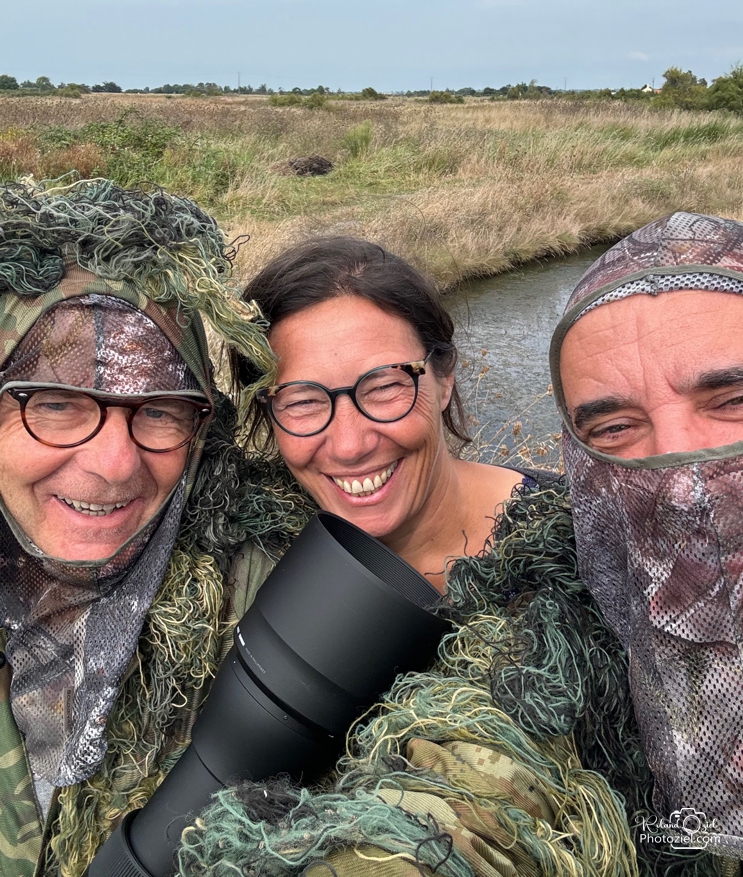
(463, 191)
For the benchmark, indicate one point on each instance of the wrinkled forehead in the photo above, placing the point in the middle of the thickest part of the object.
(684, 251)
(101, 343)
(647, 313)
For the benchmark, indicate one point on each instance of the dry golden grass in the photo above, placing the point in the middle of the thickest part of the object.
(462, 191)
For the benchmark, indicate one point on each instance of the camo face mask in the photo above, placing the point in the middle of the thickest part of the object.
(73, 626)
(660, 543)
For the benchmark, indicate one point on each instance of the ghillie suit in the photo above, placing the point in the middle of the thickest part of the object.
(94, 257)
(516, 754)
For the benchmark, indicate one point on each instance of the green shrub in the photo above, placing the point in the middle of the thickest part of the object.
(445, 97)
(55, 137)
(726, 92)
(358, 139)
(145, 137)
(315, 101)
(285, 100)
(69, 91)
(372, 94)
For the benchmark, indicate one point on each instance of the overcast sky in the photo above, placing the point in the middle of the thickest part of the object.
(391, 45)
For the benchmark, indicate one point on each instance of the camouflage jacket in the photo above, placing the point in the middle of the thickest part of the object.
(23, 833)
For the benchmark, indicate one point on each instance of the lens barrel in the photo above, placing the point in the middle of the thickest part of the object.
(338, 618)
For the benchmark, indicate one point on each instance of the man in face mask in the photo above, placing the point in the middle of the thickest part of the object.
(124, 503)
(648, 373)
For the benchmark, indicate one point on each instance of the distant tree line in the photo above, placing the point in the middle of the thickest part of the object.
(681, 89)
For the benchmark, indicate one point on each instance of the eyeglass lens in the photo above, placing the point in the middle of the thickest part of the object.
(61, 417)
(384, 395)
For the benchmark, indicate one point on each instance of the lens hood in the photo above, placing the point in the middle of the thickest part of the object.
(333, 624)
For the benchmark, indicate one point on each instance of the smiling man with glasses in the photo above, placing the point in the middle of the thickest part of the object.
(125, 505)
(82, 472)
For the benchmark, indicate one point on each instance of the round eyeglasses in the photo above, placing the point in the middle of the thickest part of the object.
(384, 395)
(62, 418)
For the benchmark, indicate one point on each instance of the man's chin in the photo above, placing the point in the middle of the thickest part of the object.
(85, 547)
(85, 553)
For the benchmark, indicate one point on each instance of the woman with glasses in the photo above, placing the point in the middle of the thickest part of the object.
(365, 410)
(469, 768)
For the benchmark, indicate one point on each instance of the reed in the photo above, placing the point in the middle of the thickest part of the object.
(462, 191)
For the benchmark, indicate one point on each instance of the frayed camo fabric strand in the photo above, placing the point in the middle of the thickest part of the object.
(502, 755)
(166, 247)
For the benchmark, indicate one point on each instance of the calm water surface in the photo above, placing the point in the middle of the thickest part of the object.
(505, 324)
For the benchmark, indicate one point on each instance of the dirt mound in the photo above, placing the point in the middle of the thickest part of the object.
(311, 166)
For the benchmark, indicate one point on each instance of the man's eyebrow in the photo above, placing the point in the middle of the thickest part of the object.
(588, 411)
(718, 379)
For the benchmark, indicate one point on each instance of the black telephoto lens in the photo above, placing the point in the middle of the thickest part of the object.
(338, 618)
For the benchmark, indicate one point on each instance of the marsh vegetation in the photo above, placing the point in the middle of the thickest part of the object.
(462, 190)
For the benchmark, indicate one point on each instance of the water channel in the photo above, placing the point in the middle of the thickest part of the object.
(504, 326)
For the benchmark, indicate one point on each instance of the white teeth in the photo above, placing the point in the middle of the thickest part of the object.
(92, 509)
(370, 485)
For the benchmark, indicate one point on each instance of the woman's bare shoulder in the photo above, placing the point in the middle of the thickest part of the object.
(493, 483)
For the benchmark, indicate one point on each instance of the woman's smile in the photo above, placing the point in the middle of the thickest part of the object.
(365, 485)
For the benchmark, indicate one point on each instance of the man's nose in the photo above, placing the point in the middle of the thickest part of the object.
(677, 432)
(112, 453)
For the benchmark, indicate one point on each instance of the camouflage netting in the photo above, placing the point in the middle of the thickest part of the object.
(166, 247)
(496, 756)
(661, 547)
(92, 241)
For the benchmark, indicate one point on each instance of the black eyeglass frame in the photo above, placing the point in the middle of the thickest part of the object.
(23, 395)
(415, 369)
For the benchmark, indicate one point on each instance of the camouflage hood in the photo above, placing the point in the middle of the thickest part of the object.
(184, 330)
(73, 627)
(660, 546)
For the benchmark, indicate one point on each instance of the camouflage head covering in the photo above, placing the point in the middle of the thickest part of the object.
(660, 544)
(20, 314)
(153, 261)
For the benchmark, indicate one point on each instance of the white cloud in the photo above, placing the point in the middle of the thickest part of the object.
(638, 56)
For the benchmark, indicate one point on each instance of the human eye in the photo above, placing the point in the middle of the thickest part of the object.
(161, 423)
(610, 437)
(385, 383)
(300, 400)
(167, 411)
(733, 403)
(53, 403)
